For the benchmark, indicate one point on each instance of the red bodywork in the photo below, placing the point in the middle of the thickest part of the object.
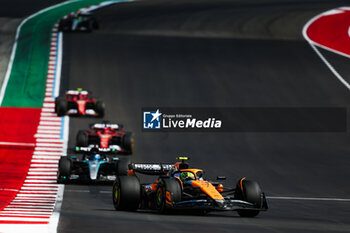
(81, 99)
(106, 132)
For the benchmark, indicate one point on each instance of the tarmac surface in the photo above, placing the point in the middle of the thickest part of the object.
(11, 14)
(201, 53)
(213, 54)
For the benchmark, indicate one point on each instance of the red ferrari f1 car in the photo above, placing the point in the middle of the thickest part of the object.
(106, 135)
(179, 187)
(79, 102)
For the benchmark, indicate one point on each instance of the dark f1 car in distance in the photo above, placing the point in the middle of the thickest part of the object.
(92, 164)
(106, 135)
(179, 187)
(79, 102)
(78, 21)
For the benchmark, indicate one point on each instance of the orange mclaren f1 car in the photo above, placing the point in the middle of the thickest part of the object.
(179, 187)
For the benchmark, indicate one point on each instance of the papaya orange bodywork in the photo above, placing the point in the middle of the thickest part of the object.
(131, 173)
(240, 183)
(205, 186)
(168, 198)
(208, 188)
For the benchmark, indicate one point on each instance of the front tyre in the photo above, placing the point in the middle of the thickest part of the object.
(95, 24)
(100, 108)
(126, 193)
(249, 191)
(167, 193)
(61, 107)
(64, 169)
(82, 138)
(128, 143)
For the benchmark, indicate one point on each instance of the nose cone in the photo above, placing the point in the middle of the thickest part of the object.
(220, 202)
(104, 141)
(208, 189)
(94, 166)
(81, 106)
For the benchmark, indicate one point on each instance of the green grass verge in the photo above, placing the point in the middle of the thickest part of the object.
(26, 85)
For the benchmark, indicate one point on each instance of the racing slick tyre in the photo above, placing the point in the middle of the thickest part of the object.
(115, 141)
(249, 191)
(122, 166)
(64, 169)
(89, 26)
(126, 193)
(128, 143)
(60, 27)
(100, 108)
(82, 138)
(168, 192)
(95, 24)
(60, 106)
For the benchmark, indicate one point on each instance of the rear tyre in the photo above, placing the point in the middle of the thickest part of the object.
(122, 166)
(82, 138)
(115, 141)
(60, 106)
(249, 191)
(100, 108)
(126, 193)
(64, 169)
(168, 192)
(128, 143)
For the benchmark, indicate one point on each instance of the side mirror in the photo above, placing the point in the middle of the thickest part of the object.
(221, 178)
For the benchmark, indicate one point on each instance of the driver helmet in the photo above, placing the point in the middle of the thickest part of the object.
(97, 156)
(187, 176)
(83, 96)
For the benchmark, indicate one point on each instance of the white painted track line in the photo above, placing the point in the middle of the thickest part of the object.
(39, 200)
(309, 198)
(314, 46)
(17, 144)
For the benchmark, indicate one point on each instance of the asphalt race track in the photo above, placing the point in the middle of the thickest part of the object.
(23, 8)
(201, 53)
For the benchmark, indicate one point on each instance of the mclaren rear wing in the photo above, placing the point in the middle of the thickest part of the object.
(151, 168)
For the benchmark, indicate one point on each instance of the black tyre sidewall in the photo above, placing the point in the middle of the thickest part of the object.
(65, 166)
(251, 193)
(128, 143)
(60, 106)
(100, 108)
(122, 166)
(82, 138)
(95, 24)
(129, 193)
(167, 185)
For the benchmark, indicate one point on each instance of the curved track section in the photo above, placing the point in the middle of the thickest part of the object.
(22, 8)
(214, 54)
